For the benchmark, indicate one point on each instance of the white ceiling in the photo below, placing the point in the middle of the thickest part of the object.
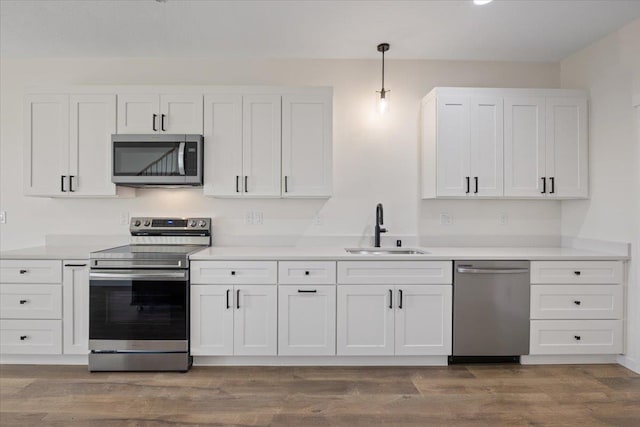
(514, 30)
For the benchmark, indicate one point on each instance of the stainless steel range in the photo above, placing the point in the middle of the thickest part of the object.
(139, 297)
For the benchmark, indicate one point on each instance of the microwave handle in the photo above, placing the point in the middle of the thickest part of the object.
(181, 159)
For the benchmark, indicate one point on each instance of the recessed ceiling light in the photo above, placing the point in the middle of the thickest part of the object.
(481, 2)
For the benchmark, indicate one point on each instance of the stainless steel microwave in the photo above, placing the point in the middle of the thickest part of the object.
(157, 160)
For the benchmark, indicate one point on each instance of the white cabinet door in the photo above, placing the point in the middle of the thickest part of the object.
(212, 309)
(138, 113)
(567, 147)
(46, 152)
(524, 146)
(365, 318)
(307, 320)
(181, 113)
(423, 320)
(223, 151)
(486, 123)
(255, 320)
(261, 145)
(75, 299)
(453, 146)
(92, 122)
(307, 145)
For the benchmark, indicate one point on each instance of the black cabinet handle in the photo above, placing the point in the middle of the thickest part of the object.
(23, 271)
(286, 184)
(238, 299)
(233, 273)
(62, 177)
(553, 185)
(71, 183)
(304, 291)
(153, 124)
(544, 185)
(476, 180)
(228, 306)
(75, 265)
(577, 302)
(306, 273)
(390, 298)
(577, 273)
(246, 186)
(237, 183)
(23, 301)
(23, 337)
(468, 184)
(162, 116)
(577, 337)
(400, 302)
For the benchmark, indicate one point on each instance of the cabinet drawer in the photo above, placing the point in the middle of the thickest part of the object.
(31, 336)
(576, 337)
(30, 301)
(30, 271)
(394, 272)
(576, 272)
(234, 272)
(307, 272)
(576, 301)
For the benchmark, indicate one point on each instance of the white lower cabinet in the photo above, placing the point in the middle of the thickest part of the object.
(307, 320)
(228, 320)
(388, 320)
(31, 336)
(576, 337)
(75, 300)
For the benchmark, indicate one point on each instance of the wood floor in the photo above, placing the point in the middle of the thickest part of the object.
(471, 395)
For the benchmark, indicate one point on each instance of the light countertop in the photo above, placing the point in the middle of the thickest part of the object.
(333, 253)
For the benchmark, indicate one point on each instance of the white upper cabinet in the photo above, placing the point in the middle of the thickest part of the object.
(307, 145)
(166, 113)
(261, 136)
(68, 140)
(512, 143)
(524, 146)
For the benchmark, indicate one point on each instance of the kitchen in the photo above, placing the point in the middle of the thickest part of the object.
(375, 158)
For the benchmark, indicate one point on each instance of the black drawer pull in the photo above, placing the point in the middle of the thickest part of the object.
(233, 273)
(577, 337)
(577, 273)
(24, 301)
(75, 265)
(23, 337)
(23, 271)
(307, 291)
(306, 273)
(577, 302)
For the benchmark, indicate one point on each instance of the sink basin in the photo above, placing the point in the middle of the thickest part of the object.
(385, 251)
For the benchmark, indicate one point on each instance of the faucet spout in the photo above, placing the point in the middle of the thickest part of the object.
(379, 222)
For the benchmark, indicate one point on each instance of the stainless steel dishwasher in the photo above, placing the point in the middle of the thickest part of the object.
(490, 309)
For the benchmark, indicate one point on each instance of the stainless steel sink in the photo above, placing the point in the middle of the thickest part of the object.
(385, 251)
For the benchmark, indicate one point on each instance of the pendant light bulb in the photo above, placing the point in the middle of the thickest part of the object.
(383, 94)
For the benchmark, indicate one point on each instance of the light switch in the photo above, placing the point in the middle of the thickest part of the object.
(3, 217)
(445, 218)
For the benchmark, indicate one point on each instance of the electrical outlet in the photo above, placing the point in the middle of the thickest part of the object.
(124, 218)
(257, 218)
(248, 217)
(445, 219)
(502, 218)
(3, 217)
(317, 220)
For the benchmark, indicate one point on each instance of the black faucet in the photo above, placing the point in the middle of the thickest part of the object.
(379, 222)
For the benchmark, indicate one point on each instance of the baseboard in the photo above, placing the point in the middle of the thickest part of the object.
(320, 361)
(629, 363)
(568, 359)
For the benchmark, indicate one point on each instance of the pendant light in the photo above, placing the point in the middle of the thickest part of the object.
(383, 94)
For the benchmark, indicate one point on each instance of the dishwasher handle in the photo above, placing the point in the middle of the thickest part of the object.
(471, 270)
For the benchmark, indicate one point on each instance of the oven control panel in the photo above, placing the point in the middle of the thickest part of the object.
(173, 226)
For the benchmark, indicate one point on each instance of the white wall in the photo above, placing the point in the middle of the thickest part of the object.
(610, 69)
(375, 160)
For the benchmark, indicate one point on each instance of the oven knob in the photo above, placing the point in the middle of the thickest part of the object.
(192, 223)
(202, 223)
(136, 223)
(147, 223)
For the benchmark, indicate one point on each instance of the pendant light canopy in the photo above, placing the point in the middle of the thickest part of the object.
(383, 98)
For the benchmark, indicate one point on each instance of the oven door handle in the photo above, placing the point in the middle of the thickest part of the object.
(139, 275)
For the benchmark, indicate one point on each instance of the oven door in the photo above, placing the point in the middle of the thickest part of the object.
(140, 309)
